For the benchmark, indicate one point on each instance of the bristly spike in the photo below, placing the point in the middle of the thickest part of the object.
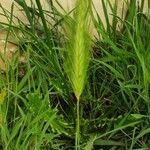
(77, 50)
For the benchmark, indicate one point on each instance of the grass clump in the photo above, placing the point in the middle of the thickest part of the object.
(73, 92)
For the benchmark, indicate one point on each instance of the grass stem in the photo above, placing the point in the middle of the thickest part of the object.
(77, 140)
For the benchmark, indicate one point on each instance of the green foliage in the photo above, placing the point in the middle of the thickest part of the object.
(38, 97)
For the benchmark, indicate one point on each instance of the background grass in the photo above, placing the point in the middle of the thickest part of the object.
(37, 102)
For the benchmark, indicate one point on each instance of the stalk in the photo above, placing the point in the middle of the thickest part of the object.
(77, 140)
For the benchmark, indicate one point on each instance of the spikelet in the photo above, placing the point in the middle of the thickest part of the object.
(77, 50)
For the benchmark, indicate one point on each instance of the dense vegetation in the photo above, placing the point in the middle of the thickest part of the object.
(74, 92)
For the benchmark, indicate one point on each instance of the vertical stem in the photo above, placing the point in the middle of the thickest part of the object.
(77, 139)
